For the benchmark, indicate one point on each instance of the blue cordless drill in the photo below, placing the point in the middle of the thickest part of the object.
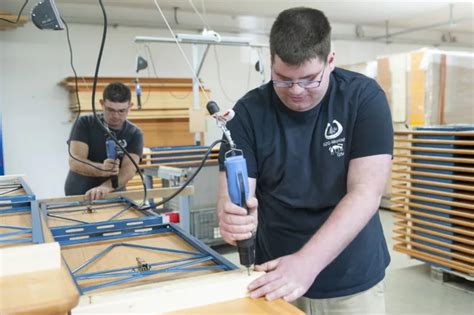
(237, 185)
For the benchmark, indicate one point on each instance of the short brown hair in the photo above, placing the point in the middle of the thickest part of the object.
(117, 92)
(300, 34)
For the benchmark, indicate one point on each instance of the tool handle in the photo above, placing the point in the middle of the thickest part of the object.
(111, 149)
(237, 180)
(112, 155)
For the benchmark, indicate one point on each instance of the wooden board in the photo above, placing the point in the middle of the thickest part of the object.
(90, 216)
(45, 292)
(122, 256)
(245, 306)
(22, 219)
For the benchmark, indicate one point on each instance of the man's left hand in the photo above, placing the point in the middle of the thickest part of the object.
(288, 277)
(98, 192)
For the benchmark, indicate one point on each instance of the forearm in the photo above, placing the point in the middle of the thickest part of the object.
(348, 218)
(126, 172)
(91, 169)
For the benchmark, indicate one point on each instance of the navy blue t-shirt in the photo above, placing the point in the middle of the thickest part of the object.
(87, 130)
(300, 161)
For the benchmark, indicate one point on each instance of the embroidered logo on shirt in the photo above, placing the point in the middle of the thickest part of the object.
(333, 130)
(336, 146)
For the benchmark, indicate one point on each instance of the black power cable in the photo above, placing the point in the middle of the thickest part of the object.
(71, 62)
(94, 88)
(19, 14)
(189, 180)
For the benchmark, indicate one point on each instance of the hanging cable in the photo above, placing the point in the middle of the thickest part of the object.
(94, 88)
(189, 180)
(19, 14)
(182, 51)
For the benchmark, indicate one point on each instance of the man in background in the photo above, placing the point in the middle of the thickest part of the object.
(90, 172)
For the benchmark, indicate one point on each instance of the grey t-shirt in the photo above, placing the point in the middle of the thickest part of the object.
(87, 130)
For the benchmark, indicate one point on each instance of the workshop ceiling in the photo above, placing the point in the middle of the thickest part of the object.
(399, 14)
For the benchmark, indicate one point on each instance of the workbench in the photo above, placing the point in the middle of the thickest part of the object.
(54, 290)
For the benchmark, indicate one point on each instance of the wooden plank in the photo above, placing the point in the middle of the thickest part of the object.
(171, 296)
(442, 89)
(134, 195)
(463, 258)
(22, 219)
(416, 101)
(457, 247)
(463, 223)
(436, 167)
(469, 206)
(455, 238)
(434, 258)
(434, 158)
(436, 175)
(435, 141)
(436, 150)
(245, 306)
(47, 292)
(435, 192)
(18, 260)
(434, 133)
(457, 230)
(433, 183)
(124, 256)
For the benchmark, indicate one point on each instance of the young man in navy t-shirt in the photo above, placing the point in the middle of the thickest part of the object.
(318, 142)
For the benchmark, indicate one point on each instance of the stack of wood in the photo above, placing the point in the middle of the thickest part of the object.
(433, 193)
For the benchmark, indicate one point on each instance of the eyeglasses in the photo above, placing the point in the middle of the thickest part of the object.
(304, 84)
(116, 111)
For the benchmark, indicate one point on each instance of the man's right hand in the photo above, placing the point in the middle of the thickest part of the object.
(110, 167)
(235, 224)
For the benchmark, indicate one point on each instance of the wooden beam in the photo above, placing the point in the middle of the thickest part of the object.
(170, 296)
(31, 258)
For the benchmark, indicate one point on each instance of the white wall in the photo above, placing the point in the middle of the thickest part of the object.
(34, 107)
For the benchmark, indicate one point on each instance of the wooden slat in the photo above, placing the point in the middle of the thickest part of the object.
(436, 150)
(179, 158)
(458, 256)
(436, 175)
(436, 217)
(456, 212)
(457, 247)
(463, 205)
(435, 192)
(436, 167)
(203, 150)
(434, 158)
(434, 258)
(435, 141)
(454, 238)
(433, 183)
(433, 133)
(435, 225)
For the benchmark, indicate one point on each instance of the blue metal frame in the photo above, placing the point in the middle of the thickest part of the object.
(21, 204)
(18, 203)
(48, 209)
(130, 229)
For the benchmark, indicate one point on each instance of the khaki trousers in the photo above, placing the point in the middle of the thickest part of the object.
(371, 301)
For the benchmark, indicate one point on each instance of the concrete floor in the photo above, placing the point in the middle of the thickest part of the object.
(409, 286)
